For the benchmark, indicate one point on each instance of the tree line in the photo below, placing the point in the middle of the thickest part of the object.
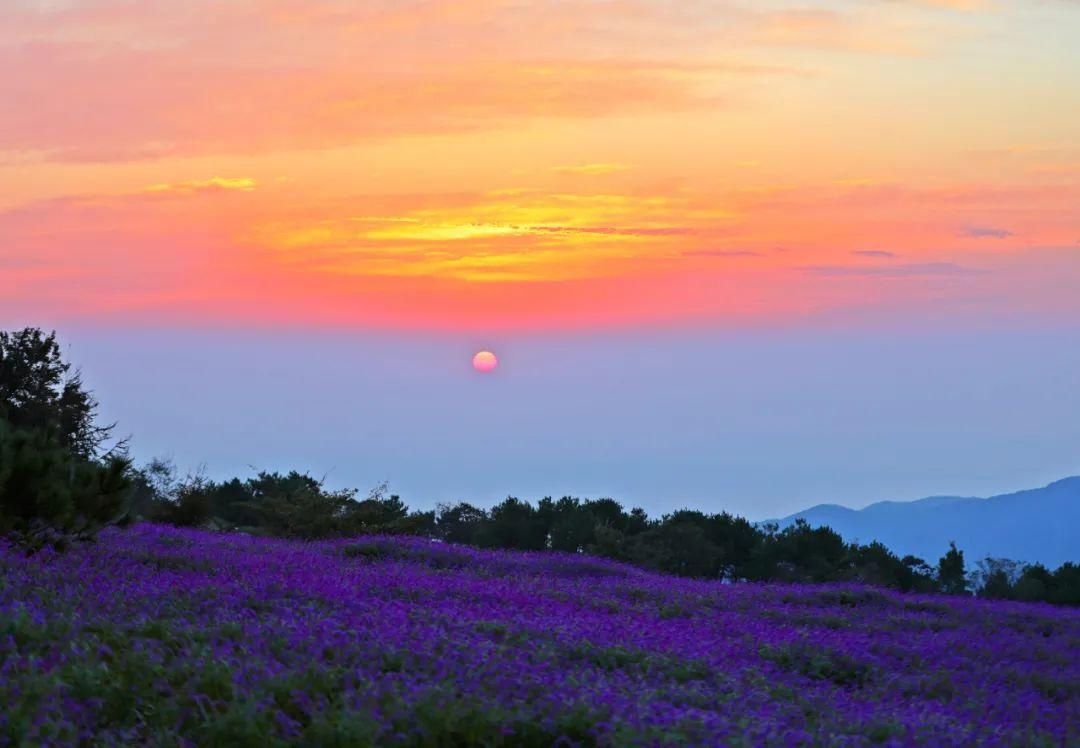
(687, 542)
(59, 482)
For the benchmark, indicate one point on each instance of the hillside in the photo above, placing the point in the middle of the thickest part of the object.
(1038, 525)
(154, 634)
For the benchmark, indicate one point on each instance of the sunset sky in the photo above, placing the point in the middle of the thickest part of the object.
(564, 174)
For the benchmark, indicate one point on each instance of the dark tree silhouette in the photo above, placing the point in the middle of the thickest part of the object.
(515, 524)
(686, 542)
(38, 390)
(952, 577)
(55, 485)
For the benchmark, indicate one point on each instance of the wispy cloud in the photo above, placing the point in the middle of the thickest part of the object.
(214, 184)
(721, 253)
(909, 270)
(878, 253)
(953, 4)
(592, 169)
(829, 28)
(105, 81)
(986, 232)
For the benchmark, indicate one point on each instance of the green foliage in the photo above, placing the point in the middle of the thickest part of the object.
(801, 553)
(436, 556)
(952, 578)
(515, 524)
(678, 546)
(459, 523)
(294, 505)
(996, 578)
(39, 392)
(572, 526)
(1002, 579)
(617, 657)
(877, 565)
(193, 504)
(686, 542)
(54, 488)
(819, 663)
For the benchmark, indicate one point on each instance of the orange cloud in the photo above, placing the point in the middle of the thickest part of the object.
(492, 163)
(505, 235)
(214, 184)
(592, 169)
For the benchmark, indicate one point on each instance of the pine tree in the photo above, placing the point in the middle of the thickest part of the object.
(54, 483)
(952, 577)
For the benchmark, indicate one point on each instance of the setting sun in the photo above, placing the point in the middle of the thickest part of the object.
(485, 361)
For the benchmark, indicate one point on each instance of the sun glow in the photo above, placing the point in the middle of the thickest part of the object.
(485, 361)
(644, 177)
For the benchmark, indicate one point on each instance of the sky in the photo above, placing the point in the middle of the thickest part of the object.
(744, 255)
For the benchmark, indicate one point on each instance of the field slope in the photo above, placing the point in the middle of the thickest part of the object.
(166, 637)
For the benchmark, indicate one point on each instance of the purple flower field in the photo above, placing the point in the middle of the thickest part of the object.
(161, 636)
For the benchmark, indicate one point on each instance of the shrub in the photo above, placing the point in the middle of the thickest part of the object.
(50, 496)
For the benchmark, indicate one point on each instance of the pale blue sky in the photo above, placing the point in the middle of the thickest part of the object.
(759, 423)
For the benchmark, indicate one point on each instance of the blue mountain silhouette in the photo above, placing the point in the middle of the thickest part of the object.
(1037, 525)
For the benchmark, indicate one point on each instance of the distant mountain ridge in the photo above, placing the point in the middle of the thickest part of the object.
(1037, 525)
